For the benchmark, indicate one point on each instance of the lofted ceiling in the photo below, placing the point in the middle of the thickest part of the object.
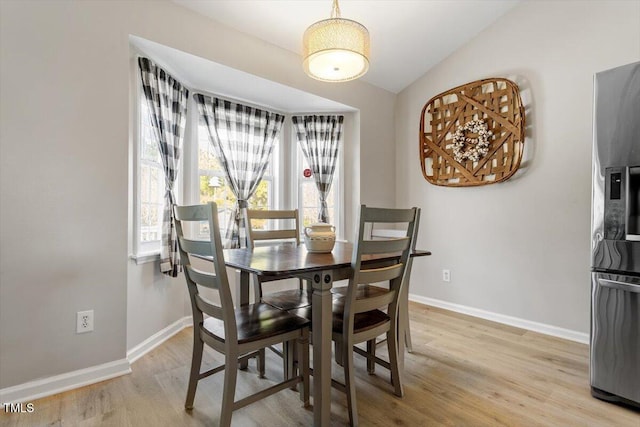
(408, 37)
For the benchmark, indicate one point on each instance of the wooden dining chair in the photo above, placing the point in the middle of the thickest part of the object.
(237, 333)
(369, 289)
(366, 312)
(285, 299)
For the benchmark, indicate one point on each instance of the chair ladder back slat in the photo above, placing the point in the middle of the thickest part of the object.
(379, 274)
(254, 235)
(371, 303)
(271, 214)
(209, 308)
(273, 234)
(196, 247)
(192, 213)
(202, 278)
(384, 215)
(385, 246)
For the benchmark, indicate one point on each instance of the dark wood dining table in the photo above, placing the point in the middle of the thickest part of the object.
(321, 269)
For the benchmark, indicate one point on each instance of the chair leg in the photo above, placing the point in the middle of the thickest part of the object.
(404, 309)
(229, 390)
(288, 359)
(261, 362)
(339, 353)
(257, 289)
(196, 361)
(371, 356)
(350, 384)
(392, 346)
(303, 356)
(407, 338)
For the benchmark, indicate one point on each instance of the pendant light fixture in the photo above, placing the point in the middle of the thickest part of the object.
(336, 49)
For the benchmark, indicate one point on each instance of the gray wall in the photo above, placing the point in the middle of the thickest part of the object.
(64, 134)
(521, 248)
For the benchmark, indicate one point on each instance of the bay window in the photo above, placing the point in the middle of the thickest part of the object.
(202, 179)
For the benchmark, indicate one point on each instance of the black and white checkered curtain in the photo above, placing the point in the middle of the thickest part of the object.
(319, 137)
(243, 138)
(167, 101)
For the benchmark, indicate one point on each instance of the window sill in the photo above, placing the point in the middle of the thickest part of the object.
(145, 257)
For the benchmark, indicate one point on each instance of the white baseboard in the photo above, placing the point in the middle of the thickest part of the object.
(542, 328)
(33, 390)
(158, 338)
(37, 389)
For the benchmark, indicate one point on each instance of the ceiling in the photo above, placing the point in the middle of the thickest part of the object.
(408, 37)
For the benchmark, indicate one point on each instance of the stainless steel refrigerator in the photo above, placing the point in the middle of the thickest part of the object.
(615, 240)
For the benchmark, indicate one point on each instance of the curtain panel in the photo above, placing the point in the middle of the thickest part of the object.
(167, 101)
(319, 137)
(243, 139)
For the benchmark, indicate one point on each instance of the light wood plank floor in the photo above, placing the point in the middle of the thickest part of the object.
(464, 371)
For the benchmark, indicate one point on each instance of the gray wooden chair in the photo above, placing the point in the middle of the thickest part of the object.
(237, 333)
(368, 289)
(286, 299)
(359, 315)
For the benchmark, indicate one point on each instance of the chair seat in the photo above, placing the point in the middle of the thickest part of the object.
(255, 322)
(289, 299)
(364, 291)
(362, 321)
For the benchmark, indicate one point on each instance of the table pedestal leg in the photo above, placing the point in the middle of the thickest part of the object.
(322, 326)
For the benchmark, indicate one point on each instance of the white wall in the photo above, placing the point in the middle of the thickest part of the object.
(64, 133)
(520, 248)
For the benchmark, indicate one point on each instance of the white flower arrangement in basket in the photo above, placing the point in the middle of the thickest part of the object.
(478, 147)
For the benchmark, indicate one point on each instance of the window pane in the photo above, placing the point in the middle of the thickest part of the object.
(309, 194)
(154, 184)
(151, 185)
(214, 189)
(150, 222)
(145, 216)
(260, 199)
(144, 183)
(310, 216)
(149, 145)
(213, 183)
(308, 197)
(207, 159)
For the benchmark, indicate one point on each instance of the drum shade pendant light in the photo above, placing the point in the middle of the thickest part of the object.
(336, 49)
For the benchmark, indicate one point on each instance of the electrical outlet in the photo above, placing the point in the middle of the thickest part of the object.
(84, 321)
(446, 275)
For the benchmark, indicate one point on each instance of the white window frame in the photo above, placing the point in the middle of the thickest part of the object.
(143, 251)
(337, 183)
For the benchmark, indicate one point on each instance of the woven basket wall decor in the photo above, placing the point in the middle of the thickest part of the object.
(496, 103)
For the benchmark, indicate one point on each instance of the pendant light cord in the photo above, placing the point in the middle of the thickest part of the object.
(335, 10)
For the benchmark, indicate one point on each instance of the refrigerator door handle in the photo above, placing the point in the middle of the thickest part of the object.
(619, 285)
